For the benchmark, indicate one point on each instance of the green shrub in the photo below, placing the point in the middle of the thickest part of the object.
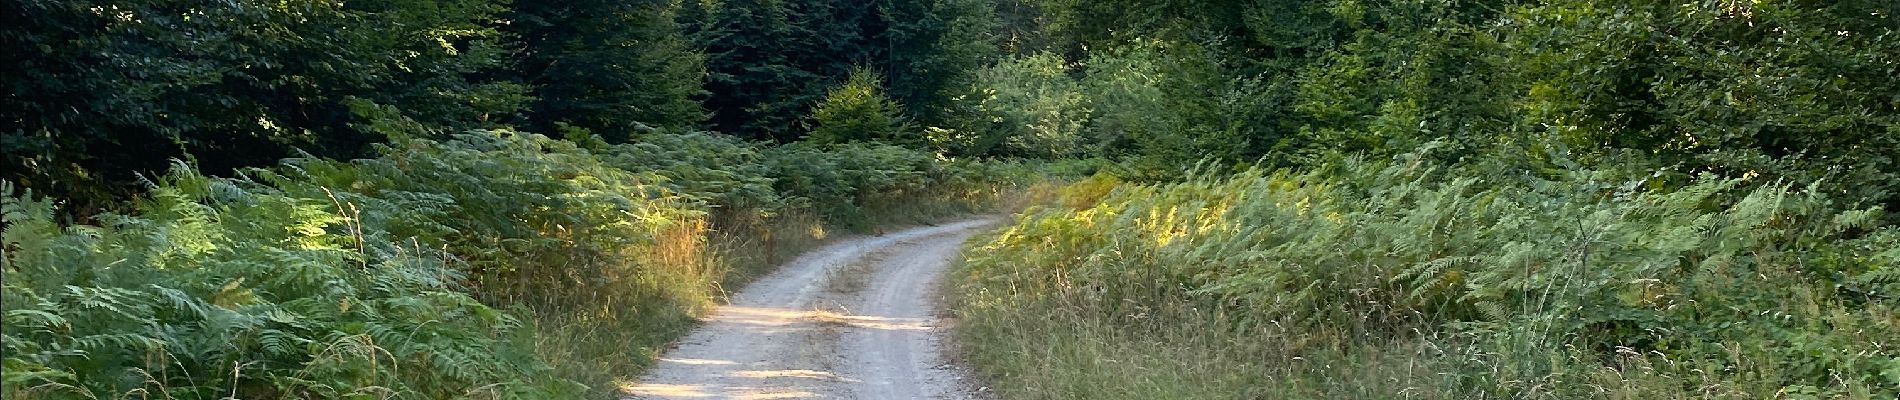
(859, 111)
(1028, 106)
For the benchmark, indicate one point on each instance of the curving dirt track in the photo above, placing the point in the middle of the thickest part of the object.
(852, 320)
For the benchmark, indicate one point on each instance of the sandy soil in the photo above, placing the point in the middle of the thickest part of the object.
(856, 320)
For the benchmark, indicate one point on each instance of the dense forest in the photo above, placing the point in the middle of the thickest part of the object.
(1234, 198)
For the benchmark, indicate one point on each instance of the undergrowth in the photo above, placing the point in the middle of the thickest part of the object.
(494, 264)
(1405, 280)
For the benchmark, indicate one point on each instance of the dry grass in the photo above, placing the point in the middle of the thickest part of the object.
(853, 277)
(666, 288)
(1065, 351)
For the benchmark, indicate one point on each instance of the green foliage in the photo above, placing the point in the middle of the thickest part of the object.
(858, 111)
(1028, 106)
(615, 67)
(224, 287)
(755, 88)
(771, 61)
(1621, 199)
(243, 84)
(1162, 105)
(1792, 90)
(936, 49)
(1484, 284)
(1788, 90)
(102, 91)
(714, 170)
(838, 180)
(1411, 73)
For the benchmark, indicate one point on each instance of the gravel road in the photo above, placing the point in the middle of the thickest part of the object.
(852, 320)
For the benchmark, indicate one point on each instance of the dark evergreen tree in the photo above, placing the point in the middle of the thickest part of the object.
(693, 17)
(755, 90)
(839, 37)
(935, 49)
(770, 61)
(613, 67)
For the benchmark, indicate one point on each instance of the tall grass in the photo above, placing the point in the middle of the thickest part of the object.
(1401, 280)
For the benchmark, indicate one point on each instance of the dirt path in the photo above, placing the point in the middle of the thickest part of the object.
(855, 319)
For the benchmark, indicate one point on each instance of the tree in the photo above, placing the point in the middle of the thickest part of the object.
(101, 92)
(936, 52)
(771, 60)
(1779, 90)
(859, 111)
(754, 89)
(612, 67)
(1026, 106)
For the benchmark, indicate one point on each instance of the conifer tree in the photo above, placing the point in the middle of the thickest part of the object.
(936, 51)
(613, 67)
(754, 89)
(770, 60)
(859, 111)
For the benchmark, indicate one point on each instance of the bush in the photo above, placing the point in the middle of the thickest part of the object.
(859, 111)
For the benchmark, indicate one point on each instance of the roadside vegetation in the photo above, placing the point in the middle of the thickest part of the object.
(1447, 200)
(1407, 279)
